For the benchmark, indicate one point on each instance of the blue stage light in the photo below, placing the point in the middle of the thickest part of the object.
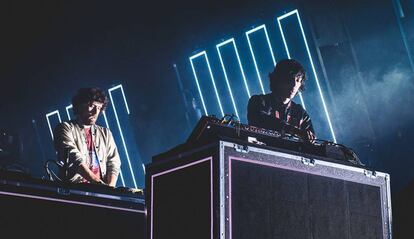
(203, 53)
(231, 40)
(312, 65)
(225, 72)
(261, 27)
(286, 47)
(196, 79)
(67, 110)
(119, 127)
(48, 122)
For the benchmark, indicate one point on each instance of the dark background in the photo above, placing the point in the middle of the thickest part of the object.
(362, 52)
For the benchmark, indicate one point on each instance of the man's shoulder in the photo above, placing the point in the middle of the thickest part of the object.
(104, 130)
(297, 107)
(65, 125)
(260, 98)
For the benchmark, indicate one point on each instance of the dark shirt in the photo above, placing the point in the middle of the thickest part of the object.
(266, 111)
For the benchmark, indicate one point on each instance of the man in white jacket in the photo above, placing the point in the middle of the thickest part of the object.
(87, 148)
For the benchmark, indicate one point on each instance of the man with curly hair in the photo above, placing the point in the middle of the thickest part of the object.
(277, 111)
(89, 149)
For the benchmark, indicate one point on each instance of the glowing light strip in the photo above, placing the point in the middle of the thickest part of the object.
(123, 95)
(48, 122)
(67, 201)
(252, 53)
(196, 79)
(231, 40)
(120, 130)
(172, 170)
(225, 72)
(107, 125)
(120, 172)
(212, 80)
(127, 108)
(67, 110)
(313, 66)
(286, 47)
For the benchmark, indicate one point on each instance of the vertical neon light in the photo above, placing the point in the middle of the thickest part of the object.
(48, 122)
(261, 27)
(67, 110)
(286, 47)
(231, 40)
(203, 53)
(119, 127)
(311, 61)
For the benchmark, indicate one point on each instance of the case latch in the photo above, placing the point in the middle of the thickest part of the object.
(370, 174)
(309, 162)
(241, 148)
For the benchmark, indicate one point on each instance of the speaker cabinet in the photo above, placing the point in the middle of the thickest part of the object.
(231, 190)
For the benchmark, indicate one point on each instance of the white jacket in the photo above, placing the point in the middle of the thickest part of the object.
(70, 141)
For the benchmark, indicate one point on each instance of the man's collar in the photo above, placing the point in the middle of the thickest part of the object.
(81, 125)
(279, 101)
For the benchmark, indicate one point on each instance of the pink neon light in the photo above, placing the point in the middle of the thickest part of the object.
(273, 165)
(178, 168)
(260, 163)
(247, 161)
(68, 201)
(230, 224)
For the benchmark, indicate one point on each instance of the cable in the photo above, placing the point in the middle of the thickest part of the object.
(52, 175)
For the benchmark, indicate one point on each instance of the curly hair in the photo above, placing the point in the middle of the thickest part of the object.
(87, 95)
(285, 71)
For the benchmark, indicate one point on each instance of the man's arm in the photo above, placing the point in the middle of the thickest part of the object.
(113, 162)
(87, 174)
(260, 116)
(111, 179)
(66, 148)
(306, 125)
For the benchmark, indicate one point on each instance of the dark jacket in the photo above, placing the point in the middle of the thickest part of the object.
(266, 111)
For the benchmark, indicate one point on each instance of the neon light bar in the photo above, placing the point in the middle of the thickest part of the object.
(311, 61)
(286, 47)
(120, 130)
(212, 80)
(225, 72)
(48, 122)
(67, 110)
(231, 40)
(261, 27)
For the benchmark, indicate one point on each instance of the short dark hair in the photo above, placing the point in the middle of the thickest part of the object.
(284, 71)
(86, 95)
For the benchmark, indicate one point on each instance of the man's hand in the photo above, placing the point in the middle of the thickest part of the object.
(86, 173)
(111, 179)
(302, 134)
(311, 136)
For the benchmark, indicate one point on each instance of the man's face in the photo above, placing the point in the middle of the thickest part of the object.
(291, 89)
(89, 112)
(297, 85)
